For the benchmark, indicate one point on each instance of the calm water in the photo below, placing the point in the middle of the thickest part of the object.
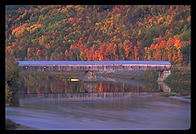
(51, 102)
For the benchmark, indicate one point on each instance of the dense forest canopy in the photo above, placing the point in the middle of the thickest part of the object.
(99, 32)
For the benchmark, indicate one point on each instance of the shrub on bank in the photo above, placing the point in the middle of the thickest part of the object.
(12, 83)
(179, 81)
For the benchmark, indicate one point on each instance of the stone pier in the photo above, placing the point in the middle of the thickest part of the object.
(163, 87)
(163, 75)
(90, 76)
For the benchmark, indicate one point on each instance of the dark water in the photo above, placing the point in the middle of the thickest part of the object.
(52, 102)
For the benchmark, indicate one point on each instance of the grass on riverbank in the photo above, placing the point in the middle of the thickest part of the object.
(165, 94)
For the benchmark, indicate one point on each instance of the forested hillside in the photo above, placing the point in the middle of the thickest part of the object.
(82, 32)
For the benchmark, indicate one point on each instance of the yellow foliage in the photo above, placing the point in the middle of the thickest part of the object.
(181, 21)
(139, 33)
(68, 6)
(33, 27)
(97, 24)
(63, 10)
(41, 40)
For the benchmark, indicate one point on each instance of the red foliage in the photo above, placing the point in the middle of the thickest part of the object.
(160, 38)
(71, 19)
(38, 52)
(6, 33)
(120, 11)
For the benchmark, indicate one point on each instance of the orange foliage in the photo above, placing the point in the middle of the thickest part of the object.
(22, 16)
(152, 46)
(166, 50)
(150, 20)
(156, 46)
(29, 50)
(136, 53)
(139, 24)
(19, 30)
(110, 33)
(160, 19)
(13, 44)
(158, 55)
(177, 43)
(162, 44)
(8, 48)
(180, 56)
(48, 45)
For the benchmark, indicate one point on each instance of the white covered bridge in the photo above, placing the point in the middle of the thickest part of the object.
(90, 66)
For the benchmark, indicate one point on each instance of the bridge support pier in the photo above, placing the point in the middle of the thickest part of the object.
(90, 76)
(163, 87)
(163, 75)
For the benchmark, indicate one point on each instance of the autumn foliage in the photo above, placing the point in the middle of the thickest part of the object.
(82, 32)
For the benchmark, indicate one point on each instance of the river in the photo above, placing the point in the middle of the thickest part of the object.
(107, 104)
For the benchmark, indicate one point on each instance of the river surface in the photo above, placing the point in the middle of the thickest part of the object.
(107, 104)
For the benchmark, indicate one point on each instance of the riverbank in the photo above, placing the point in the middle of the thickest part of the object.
(11, 125)
(180, 81)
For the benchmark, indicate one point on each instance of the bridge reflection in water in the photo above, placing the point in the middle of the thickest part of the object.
(78, 96)
(58, 89)
(92, 91)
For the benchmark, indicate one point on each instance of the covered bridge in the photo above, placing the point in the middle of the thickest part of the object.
(90, 66)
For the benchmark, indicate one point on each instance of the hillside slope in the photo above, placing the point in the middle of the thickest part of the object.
(82, 32)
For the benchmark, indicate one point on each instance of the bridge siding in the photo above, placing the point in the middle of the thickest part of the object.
(125, 66)
(95, 68)
(92, 62)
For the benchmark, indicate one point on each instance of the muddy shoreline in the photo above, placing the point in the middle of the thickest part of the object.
(11, 125)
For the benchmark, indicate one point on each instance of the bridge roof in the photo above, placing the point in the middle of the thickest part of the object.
(92, 62)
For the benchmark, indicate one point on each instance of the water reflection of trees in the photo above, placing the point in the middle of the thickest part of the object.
(39, 83)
